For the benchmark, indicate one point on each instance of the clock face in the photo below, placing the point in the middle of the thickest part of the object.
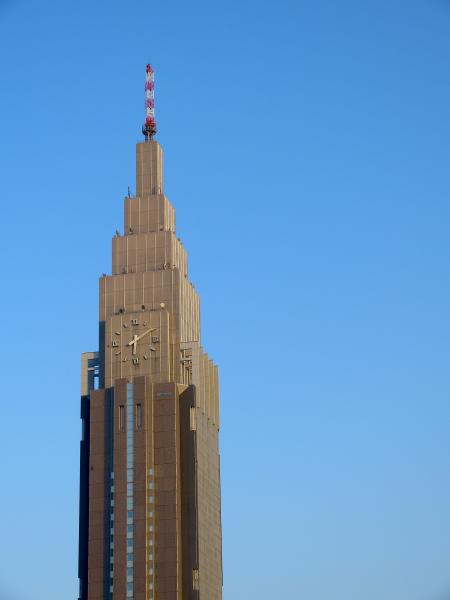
(133, 343)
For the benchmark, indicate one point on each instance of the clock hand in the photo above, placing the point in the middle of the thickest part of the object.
(136, 338)
(145, 333)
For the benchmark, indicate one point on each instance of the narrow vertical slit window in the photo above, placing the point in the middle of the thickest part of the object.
(121, 417)
(138, 416)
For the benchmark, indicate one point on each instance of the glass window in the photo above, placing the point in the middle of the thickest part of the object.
(130, 528)
(130, 557)
(138, 416)
(129, 587)
(130, 572)
(121, 417)
(130, 514)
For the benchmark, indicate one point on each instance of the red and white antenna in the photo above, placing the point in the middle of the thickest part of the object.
(149, 127)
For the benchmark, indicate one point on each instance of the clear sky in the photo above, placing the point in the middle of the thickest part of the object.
(307, 151)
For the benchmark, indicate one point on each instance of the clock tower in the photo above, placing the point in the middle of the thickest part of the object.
(150, 524)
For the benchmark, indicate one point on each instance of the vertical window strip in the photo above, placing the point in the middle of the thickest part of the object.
(150, 533)
(110, 491)
(138, 416)
(130, 486)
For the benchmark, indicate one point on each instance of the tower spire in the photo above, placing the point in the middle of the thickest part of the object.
(149, 127)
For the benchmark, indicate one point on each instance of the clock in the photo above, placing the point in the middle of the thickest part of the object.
(134, 345)
(137, 344)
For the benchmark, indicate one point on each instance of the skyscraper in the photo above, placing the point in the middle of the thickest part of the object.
(150, 524)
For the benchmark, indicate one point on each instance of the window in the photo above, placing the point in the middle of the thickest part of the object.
(130, 557)
(193, 419)
(195, 579)
(130, 514)
(121, 417)
(138, 416)
(130, 528)
(130, 572)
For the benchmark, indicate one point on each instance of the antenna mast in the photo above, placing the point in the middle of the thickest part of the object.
(149, 127)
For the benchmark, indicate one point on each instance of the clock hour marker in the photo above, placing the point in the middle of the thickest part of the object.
(117, 333)
(145, 357)
(118, 352)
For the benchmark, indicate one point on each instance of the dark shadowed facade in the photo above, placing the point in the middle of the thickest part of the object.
(150, 525)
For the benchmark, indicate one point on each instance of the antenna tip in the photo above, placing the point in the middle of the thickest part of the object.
(149, 127)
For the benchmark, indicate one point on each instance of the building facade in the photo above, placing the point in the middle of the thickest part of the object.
(150, 522)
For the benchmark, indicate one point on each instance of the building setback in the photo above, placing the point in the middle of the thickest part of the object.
(150, 525)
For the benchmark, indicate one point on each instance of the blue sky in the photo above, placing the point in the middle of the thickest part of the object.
(307, 151)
